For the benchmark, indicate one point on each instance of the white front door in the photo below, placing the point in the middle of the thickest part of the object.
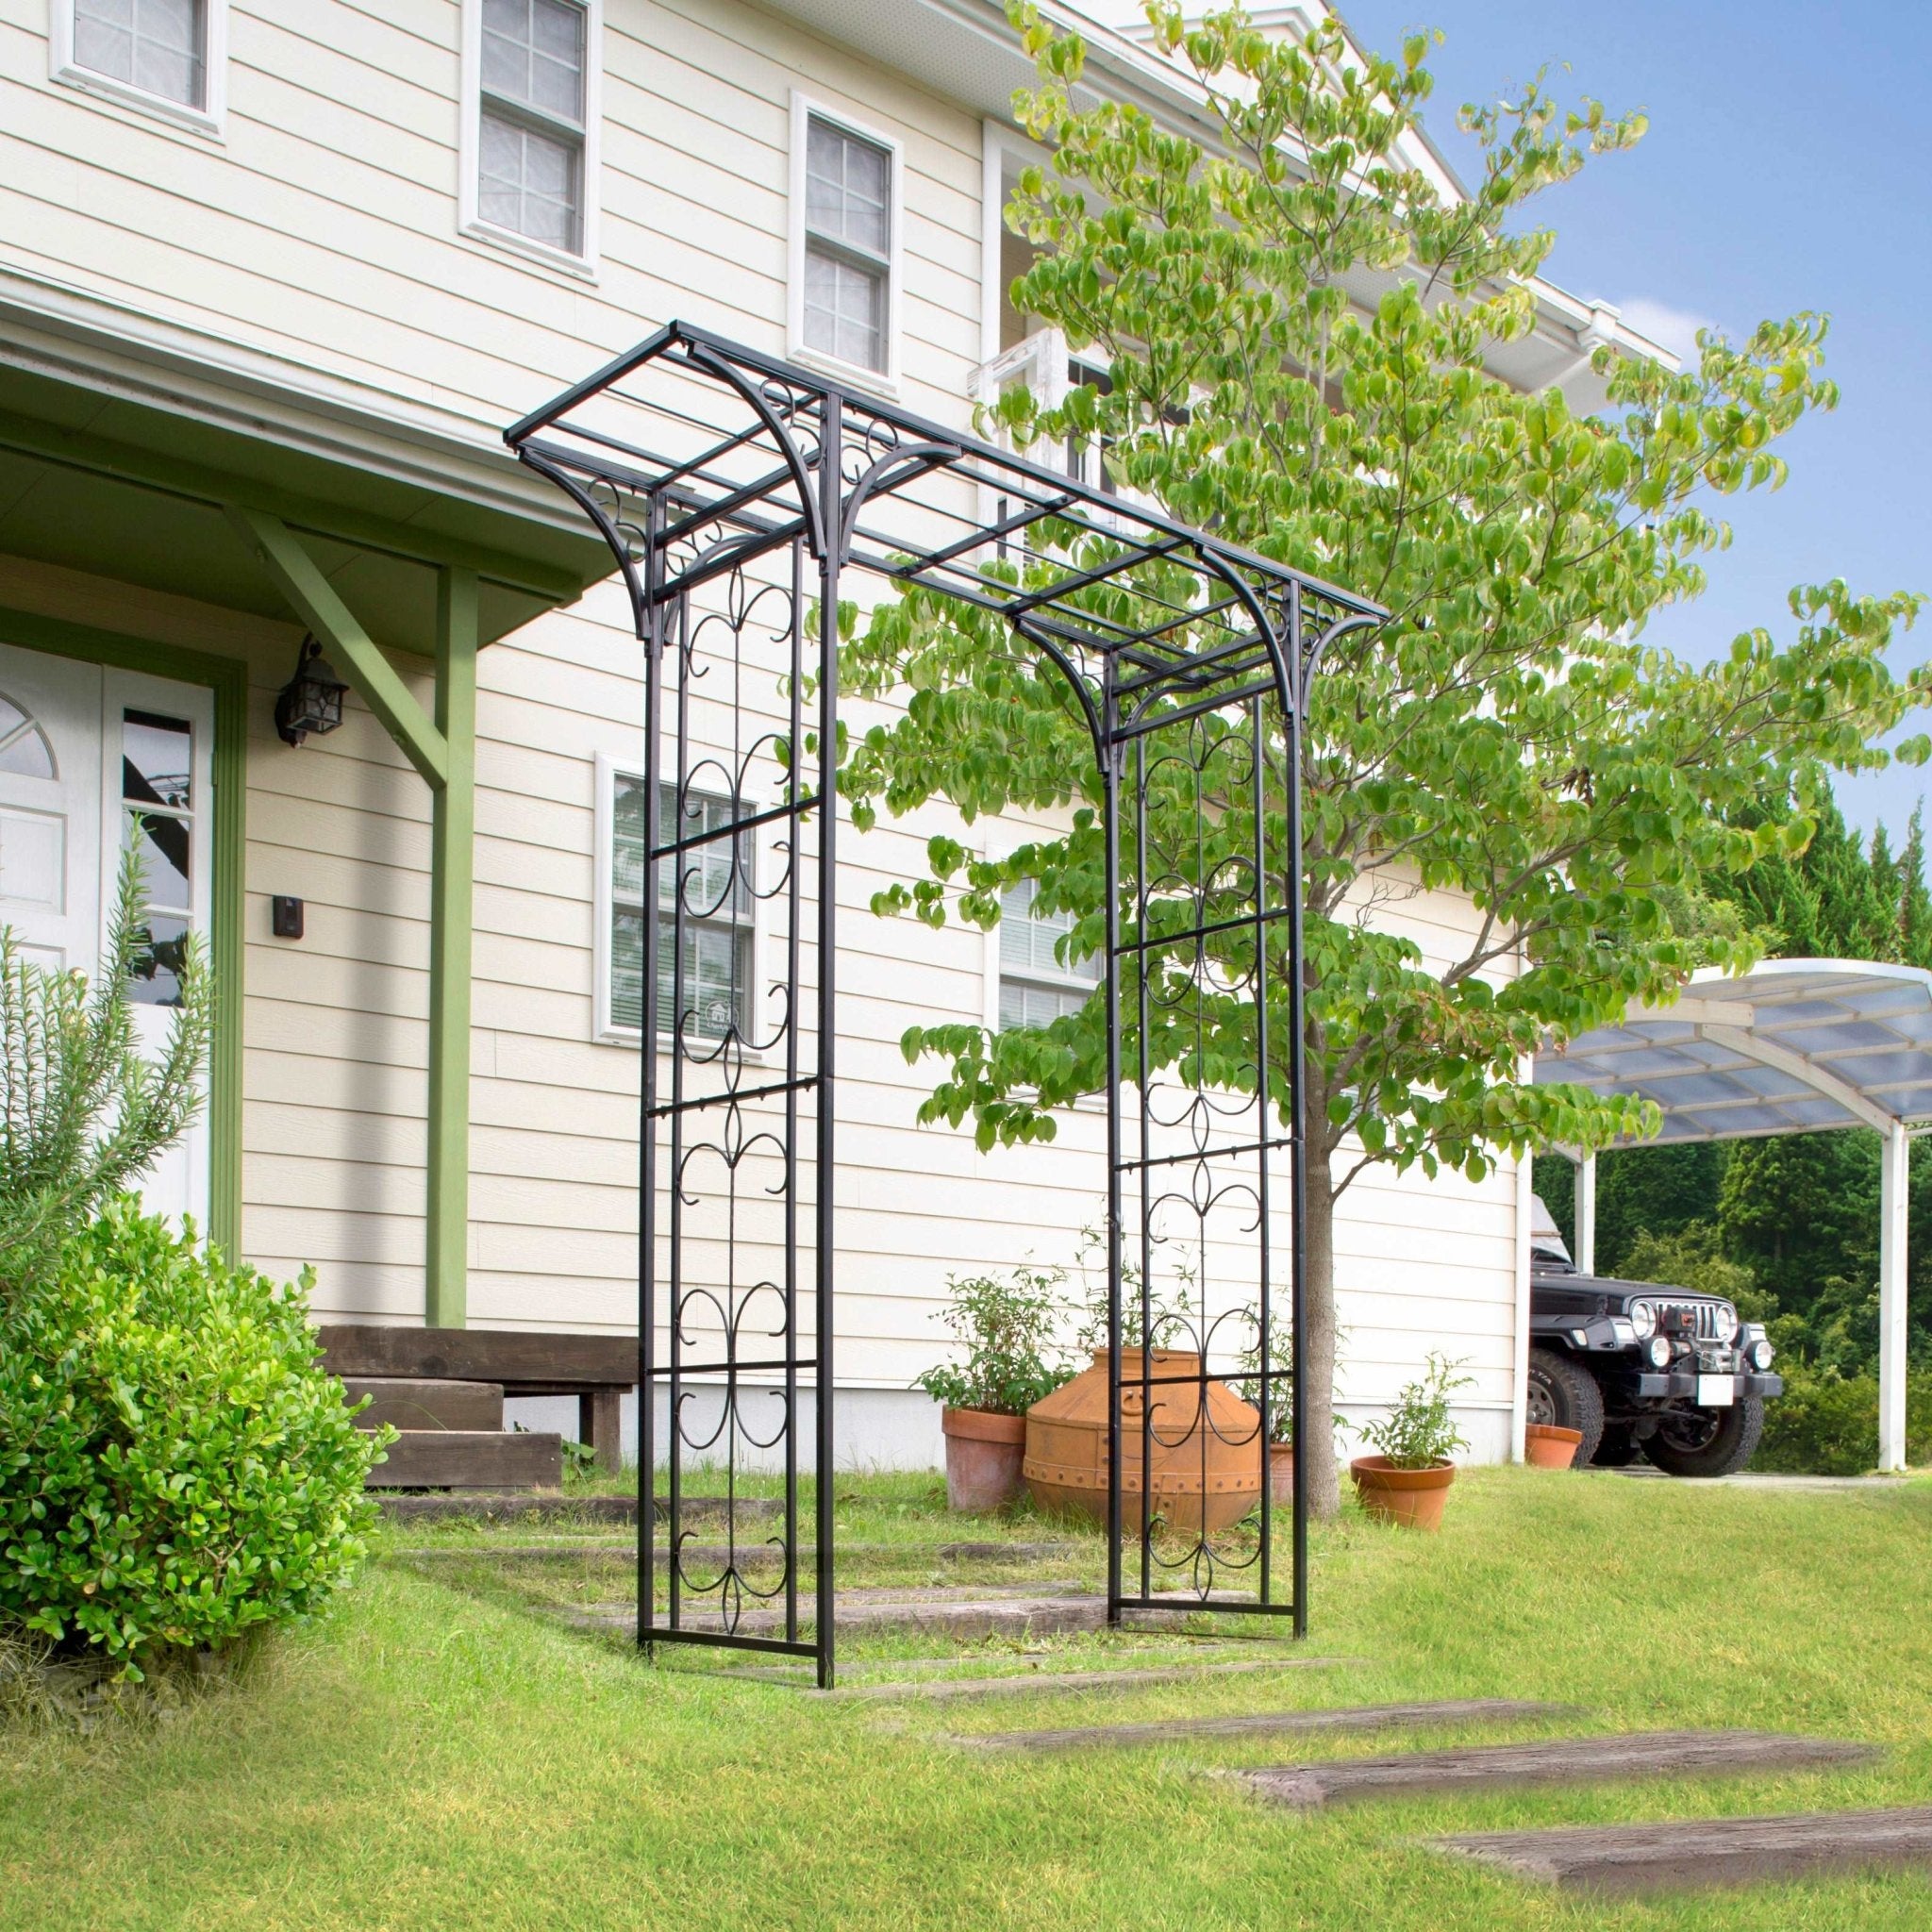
(93, 761)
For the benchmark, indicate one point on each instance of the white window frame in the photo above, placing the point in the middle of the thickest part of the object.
(1057, 978)
(210, 119)
(469, 222)
(880, 382)
(605, 1026)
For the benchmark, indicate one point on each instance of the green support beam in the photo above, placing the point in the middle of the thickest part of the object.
(451, 888)
(443, 750)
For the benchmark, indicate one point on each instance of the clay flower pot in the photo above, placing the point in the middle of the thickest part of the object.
(1412, 1497)
(1546, 1446)
(1281, 1473)
(1206, 1473)
(983, 1455)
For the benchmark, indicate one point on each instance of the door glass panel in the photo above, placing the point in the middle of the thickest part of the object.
(157, 761)
(25, 752)
(163, 944)
(161, 842)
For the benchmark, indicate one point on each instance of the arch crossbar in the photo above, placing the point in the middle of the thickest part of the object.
(746, 501)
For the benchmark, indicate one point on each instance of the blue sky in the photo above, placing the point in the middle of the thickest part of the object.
(1788, 166)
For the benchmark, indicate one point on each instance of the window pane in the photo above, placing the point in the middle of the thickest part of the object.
(153, 44)
(157, 760)
(716, 980)
(1029, 940)
(627, 842)
(533, 53)
(155, 980)
(529, 182)
(24, 748)
(162, 845)
(1021, 1005)
(848, 184)
(844, 309)
(712, 885)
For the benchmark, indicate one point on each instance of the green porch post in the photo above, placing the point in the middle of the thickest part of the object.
(443, 751)
(452, 880)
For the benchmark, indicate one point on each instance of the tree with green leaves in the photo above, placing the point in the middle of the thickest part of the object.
(1505, 736)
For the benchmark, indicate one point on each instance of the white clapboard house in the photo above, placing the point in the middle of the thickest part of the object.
(275, 276)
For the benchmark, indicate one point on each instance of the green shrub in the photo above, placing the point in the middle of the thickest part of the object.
(174, 1469)
(1007, 1325)
(1417, 1432)
(1826, 1423)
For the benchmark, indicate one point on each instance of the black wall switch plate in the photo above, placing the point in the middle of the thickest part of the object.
(286, 914)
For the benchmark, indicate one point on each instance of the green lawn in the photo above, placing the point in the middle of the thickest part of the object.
(439, 1757)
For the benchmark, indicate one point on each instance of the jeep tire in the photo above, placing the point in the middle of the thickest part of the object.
(1717, 1442)
(1566, 1394)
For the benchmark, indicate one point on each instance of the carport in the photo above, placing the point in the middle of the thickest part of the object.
(1796, 1046)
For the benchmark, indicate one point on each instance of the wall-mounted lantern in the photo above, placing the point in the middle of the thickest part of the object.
(312, 699)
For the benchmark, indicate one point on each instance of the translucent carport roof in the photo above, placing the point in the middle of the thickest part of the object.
(1794, 1046)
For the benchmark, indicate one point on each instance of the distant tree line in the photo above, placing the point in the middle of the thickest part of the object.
(1789, 1228)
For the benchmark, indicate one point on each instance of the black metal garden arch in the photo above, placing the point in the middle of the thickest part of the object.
(739, 496)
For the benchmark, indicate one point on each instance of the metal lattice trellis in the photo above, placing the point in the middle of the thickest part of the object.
(740, 495)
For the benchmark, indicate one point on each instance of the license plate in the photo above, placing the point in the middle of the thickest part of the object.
(1716, 1391)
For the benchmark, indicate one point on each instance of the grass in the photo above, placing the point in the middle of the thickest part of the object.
(436, 1756)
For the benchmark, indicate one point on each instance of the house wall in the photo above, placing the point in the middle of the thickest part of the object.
(324, 230)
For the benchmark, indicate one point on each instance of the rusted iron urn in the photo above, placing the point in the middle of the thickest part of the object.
(1205, 1475)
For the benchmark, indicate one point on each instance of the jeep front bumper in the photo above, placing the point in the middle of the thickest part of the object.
(1682, 1384)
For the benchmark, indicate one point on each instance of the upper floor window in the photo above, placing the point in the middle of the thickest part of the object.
(165, 57)
(1037, 985)
(530, 112)
(845, 243)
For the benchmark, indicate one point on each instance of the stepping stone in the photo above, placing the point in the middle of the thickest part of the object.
(1558, 1760)
(1078, 1680)
(1705, 1852)
(513, 1506)
(1371, 1717)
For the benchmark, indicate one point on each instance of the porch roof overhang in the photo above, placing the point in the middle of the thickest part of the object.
(125, 441)
(1794, 1046)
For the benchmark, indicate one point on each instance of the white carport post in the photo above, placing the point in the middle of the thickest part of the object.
(1585, 1256)
(1894, 1193)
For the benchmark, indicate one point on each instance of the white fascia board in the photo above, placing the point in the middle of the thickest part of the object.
(72, 335)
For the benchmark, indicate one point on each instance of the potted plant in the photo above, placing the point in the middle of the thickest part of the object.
(1409, 1481)
(1006, 1326)
(1280, 1452)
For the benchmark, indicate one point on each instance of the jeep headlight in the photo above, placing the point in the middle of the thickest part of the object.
(1659, 1350)
(1726, 1323)
(1643, 1319)
(1761, 1354)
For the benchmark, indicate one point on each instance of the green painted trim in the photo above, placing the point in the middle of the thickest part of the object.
(315, 601)
(147, 469)
(446, 1236)
(228, 679)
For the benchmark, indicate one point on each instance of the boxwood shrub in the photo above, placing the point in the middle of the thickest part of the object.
(175, 1470)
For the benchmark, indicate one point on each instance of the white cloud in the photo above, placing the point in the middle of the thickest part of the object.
(1674, 329)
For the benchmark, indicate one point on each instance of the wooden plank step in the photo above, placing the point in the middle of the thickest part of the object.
(534, 1359)
(471, 1460)
(1036, 1682)
(1704, 1851)
(420, 1402)
(515, 1506)
(751, 1556)
(1556, 1760)
(1370, 1717)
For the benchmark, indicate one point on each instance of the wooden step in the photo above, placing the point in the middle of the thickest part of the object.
(1559, 1760)
(532, 1359)
(471, 1460)
(508, 1505)
(1371, 1717)
(1704, 1851)
(422, 1402)
(1047, 1682)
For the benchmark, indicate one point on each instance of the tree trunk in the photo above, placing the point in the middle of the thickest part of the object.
(1315, 1457)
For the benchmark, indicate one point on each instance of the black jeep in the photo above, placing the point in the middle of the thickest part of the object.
(1642, 1369)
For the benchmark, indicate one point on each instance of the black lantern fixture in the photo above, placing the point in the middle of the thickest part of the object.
(312, 699)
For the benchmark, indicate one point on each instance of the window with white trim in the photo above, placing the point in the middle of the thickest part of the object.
(165, 57)
(715, 983)
(1038, 984)
(845, 242)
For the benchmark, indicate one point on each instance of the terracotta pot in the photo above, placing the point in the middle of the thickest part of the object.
(1205, 1477)
(1412, 1497)
(1546, 1446)
(1281, 1472)
(983, 1454)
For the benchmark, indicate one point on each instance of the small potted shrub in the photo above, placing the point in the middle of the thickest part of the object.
(1006, 1326)
(1248, 1386)
(1409, 1481)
